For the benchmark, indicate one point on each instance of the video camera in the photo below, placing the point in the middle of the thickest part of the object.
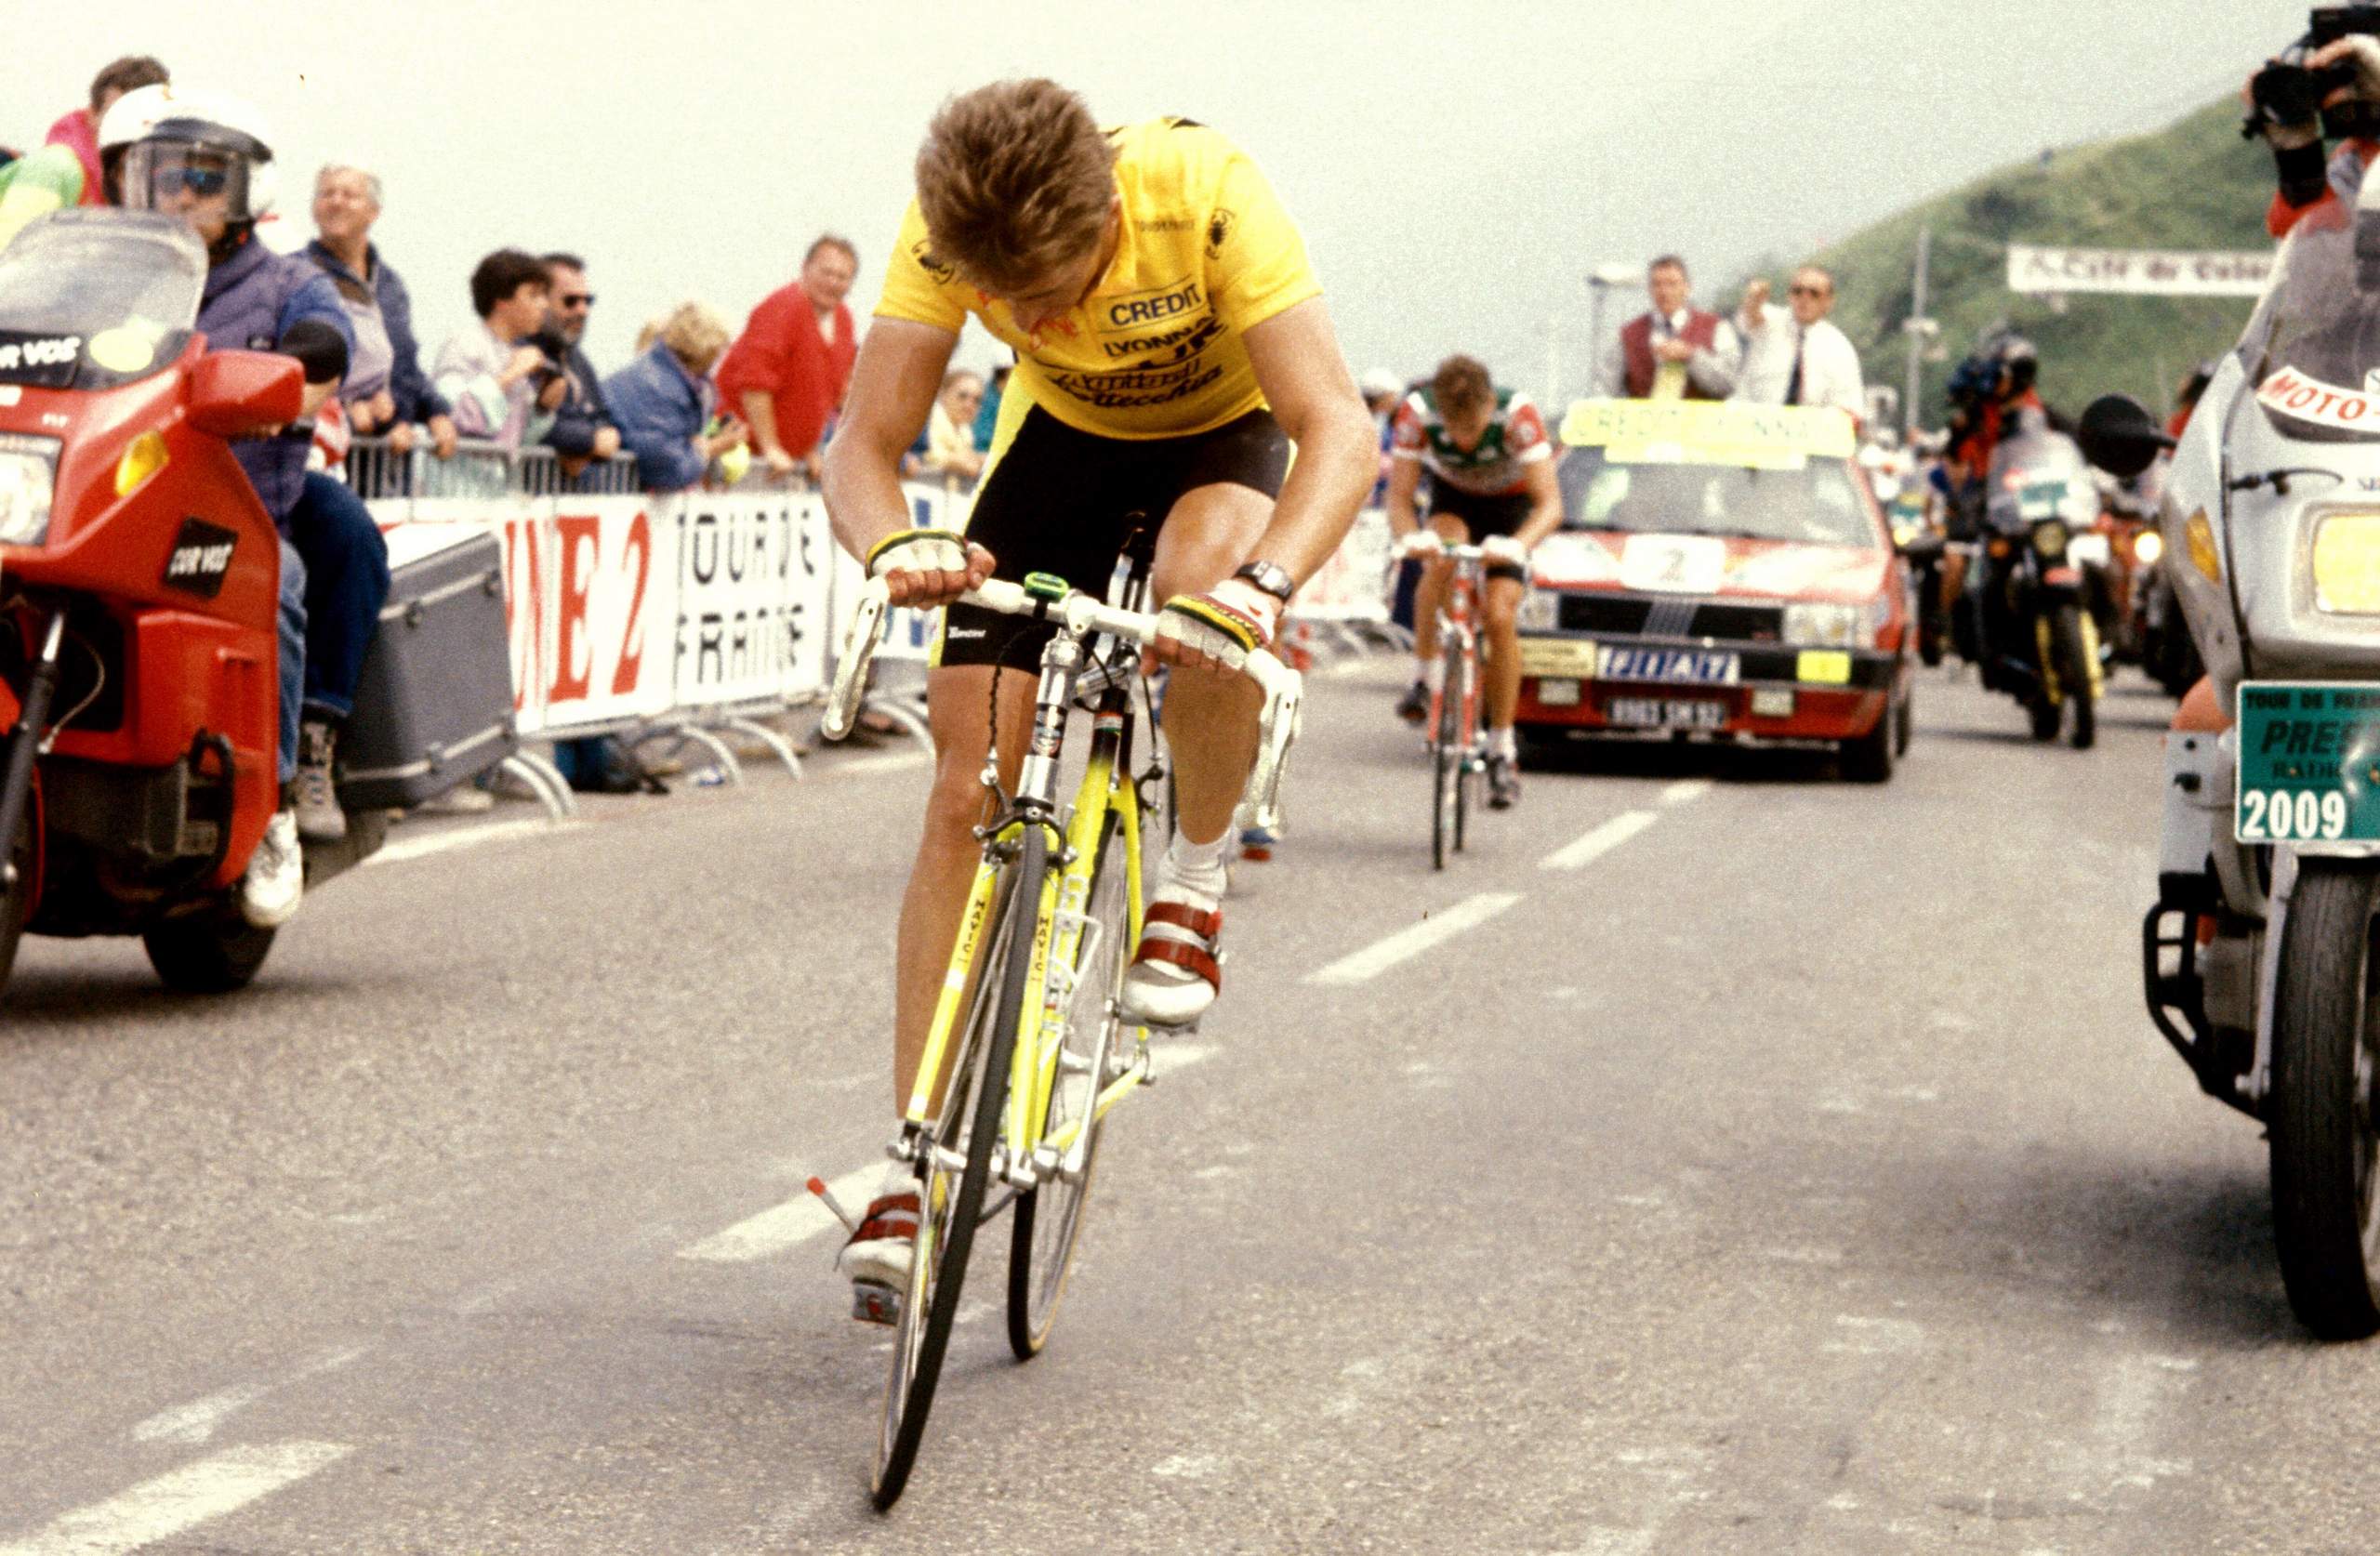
(2290, 94)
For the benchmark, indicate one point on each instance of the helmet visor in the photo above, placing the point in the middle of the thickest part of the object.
(182, 180)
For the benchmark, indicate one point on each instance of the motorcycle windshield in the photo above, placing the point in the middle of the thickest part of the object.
(2039, 474)
(1812, 501)
(91, 299)
(2312, 348)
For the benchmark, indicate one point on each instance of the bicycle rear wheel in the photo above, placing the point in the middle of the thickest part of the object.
(1042, 1244)
(966, 1129)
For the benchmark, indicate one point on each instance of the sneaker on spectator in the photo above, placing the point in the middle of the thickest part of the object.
(276, 876)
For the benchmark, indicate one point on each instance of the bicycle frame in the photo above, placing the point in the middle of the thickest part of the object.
(1459, 616)
(1059, 924)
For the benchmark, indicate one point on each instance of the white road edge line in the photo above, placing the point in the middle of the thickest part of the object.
(471, 837)
(179, 1500)
(196, 1422)
(1439, 927)
(1685, 791)
(781, 1227)
(889, 761)
(1585, 851)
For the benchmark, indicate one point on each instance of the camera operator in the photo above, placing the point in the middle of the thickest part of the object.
(2326, 85)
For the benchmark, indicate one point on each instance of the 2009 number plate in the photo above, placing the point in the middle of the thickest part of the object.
(2310, 762)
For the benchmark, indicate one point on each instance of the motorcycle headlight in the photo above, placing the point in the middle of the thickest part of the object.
(28, 481)
(2346, 563)
(2147, 547)
(1809, 625)
(2049, 537)
(1541, 610)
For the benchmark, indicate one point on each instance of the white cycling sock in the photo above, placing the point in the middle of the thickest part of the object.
(1501, 744)
(1196, 871)
(1433, 673)
(898, 1180)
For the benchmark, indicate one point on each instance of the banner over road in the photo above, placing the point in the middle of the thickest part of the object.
(2157, 272)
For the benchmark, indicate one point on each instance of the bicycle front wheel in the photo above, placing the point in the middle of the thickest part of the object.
(1446, 762)
(1466, 782)
(1048, 1220)
(956, 1168)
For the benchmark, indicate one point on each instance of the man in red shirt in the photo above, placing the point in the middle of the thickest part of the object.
(786, 374)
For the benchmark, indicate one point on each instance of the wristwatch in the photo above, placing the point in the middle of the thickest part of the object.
(1270, 578)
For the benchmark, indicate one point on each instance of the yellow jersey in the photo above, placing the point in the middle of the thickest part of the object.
(1156, 348)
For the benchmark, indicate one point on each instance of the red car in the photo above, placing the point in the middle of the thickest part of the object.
(1723, 572)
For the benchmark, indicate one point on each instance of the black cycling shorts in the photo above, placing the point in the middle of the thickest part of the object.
(1483, 516)
(1063, 501)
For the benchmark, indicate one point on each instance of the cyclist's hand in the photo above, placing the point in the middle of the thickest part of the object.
(928, 567)
(2361, 51)
(1421, 543)
(1505, 549)
(1216, 631)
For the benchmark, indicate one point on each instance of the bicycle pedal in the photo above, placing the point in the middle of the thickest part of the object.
(872, 1303)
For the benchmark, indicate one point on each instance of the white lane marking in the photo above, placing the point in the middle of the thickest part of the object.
(1439, 927)
(195, 1422)
(1685, 791)
(1876, 1337)
(472, 837)
(1187, 1465)
(891, 761)
(1601, 841)
(784, 1226)
(180, 1500)
(2132, 1395)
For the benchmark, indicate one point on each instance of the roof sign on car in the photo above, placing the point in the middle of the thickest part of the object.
(1709, 433)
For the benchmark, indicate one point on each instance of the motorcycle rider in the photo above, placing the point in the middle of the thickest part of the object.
(204, 156)
(1993, 399)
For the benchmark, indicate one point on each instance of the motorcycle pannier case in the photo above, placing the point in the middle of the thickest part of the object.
(434, 708)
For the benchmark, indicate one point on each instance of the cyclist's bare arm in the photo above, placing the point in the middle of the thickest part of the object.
(1545, 505)
(894, 385)
(1305, 379)
(1404, 483)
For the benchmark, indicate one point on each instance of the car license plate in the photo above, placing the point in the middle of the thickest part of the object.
(2310, 762)
(1667, 713)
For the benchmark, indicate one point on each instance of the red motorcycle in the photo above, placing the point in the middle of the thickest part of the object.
(139, 591)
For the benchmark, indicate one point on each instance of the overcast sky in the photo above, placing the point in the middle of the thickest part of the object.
(1456, 169)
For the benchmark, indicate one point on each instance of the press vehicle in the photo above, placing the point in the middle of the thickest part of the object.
(139, 596)
(2259, 952)
(1722, 574)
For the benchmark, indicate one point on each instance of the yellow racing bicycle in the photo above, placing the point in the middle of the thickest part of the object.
(1029, 1048)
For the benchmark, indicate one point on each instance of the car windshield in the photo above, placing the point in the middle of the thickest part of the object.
(100, 291)
(2312, 348)
(1814, 501)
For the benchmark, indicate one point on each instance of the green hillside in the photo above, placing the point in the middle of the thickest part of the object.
(2195, 185)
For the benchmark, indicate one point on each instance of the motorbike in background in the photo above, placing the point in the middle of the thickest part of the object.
(2030, 588)
(2259, 955)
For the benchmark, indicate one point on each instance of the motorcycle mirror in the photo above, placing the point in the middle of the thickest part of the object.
(238, 394)
(2119, 436)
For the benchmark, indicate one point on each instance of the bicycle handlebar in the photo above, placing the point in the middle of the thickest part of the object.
(1078, 612)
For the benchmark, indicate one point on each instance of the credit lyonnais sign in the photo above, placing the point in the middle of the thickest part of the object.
(2310, 762)
(2168, 272)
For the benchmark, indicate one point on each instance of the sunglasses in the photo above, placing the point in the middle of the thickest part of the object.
(575, 299)
(198, 180)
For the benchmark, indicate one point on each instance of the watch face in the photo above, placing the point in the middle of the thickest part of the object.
(1270, 578)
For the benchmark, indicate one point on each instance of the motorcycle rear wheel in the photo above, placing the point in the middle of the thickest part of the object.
(210, 953)
(2323, 1115)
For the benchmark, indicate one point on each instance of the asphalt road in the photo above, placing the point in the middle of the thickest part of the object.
(1760, 1164)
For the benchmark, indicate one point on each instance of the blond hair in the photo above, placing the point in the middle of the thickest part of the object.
(695, 333)
(1015, 180)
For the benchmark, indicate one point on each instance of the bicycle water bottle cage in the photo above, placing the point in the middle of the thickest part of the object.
(1047, 588)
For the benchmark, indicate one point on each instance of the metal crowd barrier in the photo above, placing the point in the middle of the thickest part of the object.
(477, 468)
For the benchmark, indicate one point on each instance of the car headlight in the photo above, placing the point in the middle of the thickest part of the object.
(2346, 563)
(1823, 626)
(2088, 550)
(2147, 547)
(28, 481)
(2049, 537)
(1541, 610)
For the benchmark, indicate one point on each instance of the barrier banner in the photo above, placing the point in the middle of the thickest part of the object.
(604, 590)
(2141, 271)
(752, 574)
(1352, 586)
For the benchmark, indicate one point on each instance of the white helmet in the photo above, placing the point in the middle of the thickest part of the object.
(164, 131)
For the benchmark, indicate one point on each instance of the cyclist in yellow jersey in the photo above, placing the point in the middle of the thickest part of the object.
(1171, 345)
